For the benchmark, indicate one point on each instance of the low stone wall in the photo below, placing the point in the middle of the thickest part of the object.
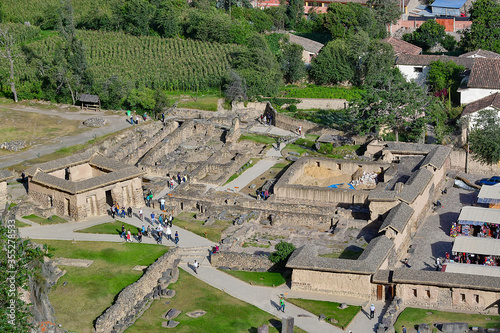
(241, 261)
(137, 297)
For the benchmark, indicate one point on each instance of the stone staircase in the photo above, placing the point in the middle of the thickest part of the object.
(199, 253)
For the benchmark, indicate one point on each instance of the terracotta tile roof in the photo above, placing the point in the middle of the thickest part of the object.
(402, 47)
(426, 59)
(308, 44)
(485, 74)
(480, 54)
(488, 101)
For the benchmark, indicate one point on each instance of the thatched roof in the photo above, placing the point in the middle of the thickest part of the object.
(86, 98)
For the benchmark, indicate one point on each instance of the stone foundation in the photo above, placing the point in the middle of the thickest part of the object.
(241, 261)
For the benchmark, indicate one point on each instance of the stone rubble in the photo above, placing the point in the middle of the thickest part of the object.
(15, 145)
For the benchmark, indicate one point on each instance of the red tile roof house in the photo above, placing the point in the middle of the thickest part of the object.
(471, 110)
(402, 47)
(484, 80)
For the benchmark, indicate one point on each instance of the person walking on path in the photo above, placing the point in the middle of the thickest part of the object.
(139, 236)
(153, 217)
(129, 236)
(282, 305)
(141, 216)
(143, 229)
(162, 204)
(148, 231)
(438, 264)
(196, 264)
(124, 232)
(403, 329)
(372, 311)
(176, 239)
(169, 233)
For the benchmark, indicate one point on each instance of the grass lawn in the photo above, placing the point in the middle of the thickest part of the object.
(246, 166)
(258, 138)
(43, 221)
(114, 227)
(212, 232)
(225, 313)
(267, 279)
(346, 254)
(20, 224)
(329, 309)
(192, 100)
(11, 205)
(90, 291)
(34, 127)
(314, 91)
(412, 316)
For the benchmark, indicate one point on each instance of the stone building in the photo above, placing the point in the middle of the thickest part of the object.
(4, 176)
(84, 185)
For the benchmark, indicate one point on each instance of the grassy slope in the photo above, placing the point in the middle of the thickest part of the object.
(212, 232)
(43, 221)
(268, 279)
(90, 291)
(114, 227)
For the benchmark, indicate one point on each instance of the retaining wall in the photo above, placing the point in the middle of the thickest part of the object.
(241, 261)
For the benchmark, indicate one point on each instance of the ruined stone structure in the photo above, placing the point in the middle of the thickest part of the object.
(84, 185)
(4, 176)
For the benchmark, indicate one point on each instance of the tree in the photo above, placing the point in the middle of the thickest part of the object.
(484, 137)
(8, 51)
(235, 88)
(386, 11)
(391, 103)
(294, 12)
(135, 16)
(292, 66)
(344, 19)
(427, 35)
(484, 32)
(444, 78)
(332, 65)
(282, 253)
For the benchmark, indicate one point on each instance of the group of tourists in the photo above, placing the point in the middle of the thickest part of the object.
(266, 119)
(134, 119)
(485, 230)
(478, 259)
(116, 210)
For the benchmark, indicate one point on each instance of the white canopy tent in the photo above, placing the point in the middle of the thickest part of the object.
(477, 245)
(478, 215)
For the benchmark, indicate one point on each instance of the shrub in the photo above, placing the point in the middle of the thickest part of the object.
(283, 251)
(292, 108)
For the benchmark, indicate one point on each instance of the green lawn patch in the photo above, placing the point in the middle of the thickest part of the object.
(412, 316)
(246, 166)
(295, 148)
(192, 100)
(258, 138)
(329, 309)
(54, 219)
(346, 254)
(212, 232)
(20, 224)
(90, 291)
(315, 91)
(12, 205)
(114, 227)
(268, 279)
(225, 313)
(255, 244)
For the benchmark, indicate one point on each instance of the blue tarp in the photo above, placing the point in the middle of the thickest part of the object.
(337, 186)
(455, 4)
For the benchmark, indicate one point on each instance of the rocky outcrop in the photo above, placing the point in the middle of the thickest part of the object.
(137, 297)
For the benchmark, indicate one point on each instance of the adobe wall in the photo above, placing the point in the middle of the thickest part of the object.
(3, 194)
(137, 297)
(445, 298)
(339, 284)
(40, 194)
(458, 158)
(241, 261)
(379, 208)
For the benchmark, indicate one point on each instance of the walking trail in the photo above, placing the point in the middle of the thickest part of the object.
(265, 298)
(115, 123)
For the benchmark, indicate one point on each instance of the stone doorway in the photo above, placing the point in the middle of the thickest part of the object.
(109, 198)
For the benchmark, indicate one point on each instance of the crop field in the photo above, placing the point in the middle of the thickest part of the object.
(169, 64)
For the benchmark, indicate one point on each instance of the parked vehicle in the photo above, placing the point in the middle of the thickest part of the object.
(490, 181)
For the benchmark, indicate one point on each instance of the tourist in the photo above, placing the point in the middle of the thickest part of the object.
(176, 239)
(162, 204)
(403, 329)
(141, 216)
(196, 264)
(170, 219)
(160, 219)
(132, 120)
(438, 264)
(129, 236)
(143, 229)
(145, 116)
(153, 218)
(139, 236)
(148, 231)
(136, 119)
(123, 214)
(169, 233)
(123, 232)
(372, 311)
(282, 304)
(178, 178)
(300, 130)
(129, 211)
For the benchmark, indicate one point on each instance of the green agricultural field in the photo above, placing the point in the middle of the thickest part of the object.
(90, 291)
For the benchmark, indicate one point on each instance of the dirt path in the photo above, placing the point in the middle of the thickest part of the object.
(116, 122)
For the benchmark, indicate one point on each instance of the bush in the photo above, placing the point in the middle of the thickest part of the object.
(292, 108)
(283, 251)
(449, 43)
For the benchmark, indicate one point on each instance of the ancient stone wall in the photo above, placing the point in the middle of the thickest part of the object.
(137, 297)
(339, 284)
(241, 261)
(458, 158)
(3, 194)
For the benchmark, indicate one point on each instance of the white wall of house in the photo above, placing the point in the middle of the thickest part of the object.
(470, 95)
(415, 73)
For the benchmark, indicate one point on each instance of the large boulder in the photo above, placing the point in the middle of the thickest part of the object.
(170, 324)
(455, 328)
(172, 313)
(424, 328)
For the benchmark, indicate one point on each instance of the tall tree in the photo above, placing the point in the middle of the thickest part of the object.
(484, 32)
(444, 78)
(427, 35)
(484, 137)
(292, 66)
(8, 51)
(390, 103)
(294, 12)
(333, 64)
(386, 11)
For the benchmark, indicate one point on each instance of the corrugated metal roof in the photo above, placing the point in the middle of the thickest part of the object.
(453, 267)
(477, 245)
(489, 192)
(479, 215)
(448, 3)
